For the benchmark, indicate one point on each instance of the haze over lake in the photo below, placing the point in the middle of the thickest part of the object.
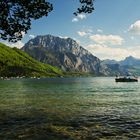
(69, 108)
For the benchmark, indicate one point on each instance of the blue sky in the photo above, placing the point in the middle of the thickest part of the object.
(112, 31)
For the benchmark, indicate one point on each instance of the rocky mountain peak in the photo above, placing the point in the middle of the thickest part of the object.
(130, 58)
(131, 61)
(64, 53)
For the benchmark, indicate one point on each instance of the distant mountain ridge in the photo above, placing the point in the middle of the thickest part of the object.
(64, 53)
(128, 61)
(108, 61)
(129, 64)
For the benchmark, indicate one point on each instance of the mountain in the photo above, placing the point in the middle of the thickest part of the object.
(64, 53)
(130, 61)
(116, 69)
(14, 62)
(130, 65)
(108, 61)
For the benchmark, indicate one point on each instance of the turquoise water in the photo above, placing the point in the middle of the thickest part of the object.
(93, 108)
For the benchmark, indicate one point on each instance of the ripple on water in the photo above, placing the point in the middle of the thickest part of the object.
(69, 108)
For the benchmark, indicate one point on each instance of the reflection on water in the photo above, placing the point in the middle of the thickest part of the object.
(69, 108)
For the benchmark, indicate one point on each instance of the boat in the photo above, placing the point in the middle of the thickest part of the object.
(126, 79)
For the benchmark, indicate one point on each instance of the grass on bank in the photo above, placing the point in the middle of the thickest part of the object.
(14, 62)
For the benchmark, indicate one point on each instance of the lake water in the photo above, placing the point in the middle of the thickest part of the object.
(95, 108)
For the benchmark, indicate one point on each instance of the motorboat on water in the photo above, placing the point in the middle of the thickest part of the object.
(126, 79)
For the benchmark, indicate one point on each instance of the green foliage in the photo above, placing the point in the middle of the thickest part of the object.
(14, 62)
(16, 15)
(86, 7)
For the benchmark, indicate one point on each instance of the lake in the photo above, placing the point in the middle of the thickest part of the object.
(92, 108)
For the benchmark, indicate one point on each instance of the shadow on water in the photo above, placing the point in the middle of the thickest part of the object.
(72, 108)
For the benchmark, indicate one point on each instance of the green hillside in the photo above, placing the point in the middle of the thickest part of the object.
(14, 62)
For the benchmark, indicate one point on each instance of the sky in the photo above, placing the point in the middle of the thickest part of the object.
(112, 31)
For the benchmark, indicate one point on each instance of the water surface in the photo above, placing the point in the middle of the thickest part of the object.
(94, 108)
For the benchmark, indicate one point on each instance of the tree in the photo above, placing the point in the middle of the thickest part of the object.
(16, 15)
(86, 7)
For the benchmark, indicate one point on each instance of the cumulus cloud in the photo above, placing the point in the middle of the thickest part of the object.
(135, 28)
(106, 52)
(99, 31)
(18, 34)
(85, 32)
(32, 36)
(64, 37)
(75, 20)
(81, 33)
(79, 17)
(18, 44)
(107, 39)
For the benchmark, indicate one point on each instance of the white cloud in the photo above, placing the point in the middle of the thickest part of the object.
(18, 44)
(81, 33)
(32, 36)
(135, 28)
(18, 34)
(99, 31)
(106, 52)
(23, 34)
(85, 32)
(75, 20)
(107, 39)
(64, 37)
(79, 17)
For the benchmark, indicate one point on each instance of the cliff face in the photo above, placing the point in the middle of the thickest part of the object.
(66, 54)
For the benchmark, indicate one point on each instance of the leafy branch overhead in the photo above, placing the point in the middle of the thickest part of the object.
(16, 15)
(86, 7)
